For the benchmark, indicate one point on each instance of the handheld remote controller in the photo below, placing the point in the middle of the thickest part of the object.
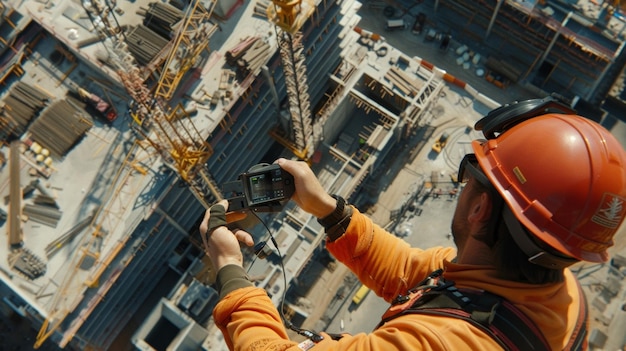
(264, 188)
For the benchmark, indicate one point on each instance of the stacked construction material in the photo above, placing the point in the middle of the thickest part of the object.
(60, 127)
(43, 214)
(161, 18)
(406, 83)
(260, 8)
(27, 263)
(43, 197)
(54, 246)
(16, 235)
(144, 44)
(45, 209)
(248, 56)
(19, 108)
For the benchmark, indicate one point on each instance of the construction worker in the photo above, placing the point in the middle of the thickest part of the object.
(540, 195)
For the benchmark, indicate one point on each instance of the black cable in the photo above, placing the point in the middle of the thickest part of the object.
(315, 337)
(253, 260)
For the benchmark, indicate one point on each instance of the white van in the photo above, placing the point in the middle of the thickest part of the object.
(393, 24)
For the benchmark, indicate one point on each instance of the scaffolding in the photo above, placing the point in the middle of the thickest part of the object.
(554, 48)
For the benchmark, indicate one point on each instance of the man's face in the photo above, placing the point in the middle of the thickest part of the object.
(469, 173)
(459, 226)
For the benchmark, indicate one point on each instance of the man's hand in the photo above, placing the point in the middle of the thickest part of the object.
(309, 195)
(221, 244)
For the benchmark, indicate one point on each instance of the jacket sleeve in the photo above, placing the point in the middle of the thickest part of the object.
(383, 262)
(249, 321)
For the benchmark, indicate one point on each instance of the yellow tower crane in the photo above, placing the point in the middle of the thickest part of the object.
(189, 40)
(171, 133)
(288, 17)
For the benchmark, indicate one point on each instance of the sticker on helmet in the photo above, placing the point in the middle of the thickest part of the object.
(610, 212)
(520, 176)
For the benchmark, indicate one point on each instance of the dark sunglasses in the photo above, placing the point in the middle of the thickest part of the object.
(469, 167)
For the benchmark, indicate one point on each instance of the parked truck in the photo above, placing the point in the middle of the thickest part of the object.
(104, 108)
(101, 107)
(360, 295)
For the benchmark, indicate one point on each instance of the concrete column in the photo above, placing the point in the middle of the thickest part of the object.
(553, 41)
(270, 82)
(493, 17)
(593, 89)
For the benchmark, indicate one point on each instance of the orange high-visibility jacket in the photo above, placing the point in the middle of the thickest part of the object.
(389, 266)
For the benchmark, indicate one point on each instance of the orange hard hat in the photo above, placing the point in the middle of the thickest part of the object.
(564, 179)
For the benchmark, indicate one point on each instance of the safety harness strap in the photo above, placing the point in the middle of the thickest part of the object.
(578, 341)
(494, 315)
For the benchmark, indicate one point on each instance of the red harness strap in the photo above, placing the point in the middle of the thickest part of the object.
(492, 314)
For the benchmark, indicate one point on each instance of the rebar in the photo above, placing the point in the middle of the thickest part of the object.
(20, 107)
(60, 127)
(144, 44)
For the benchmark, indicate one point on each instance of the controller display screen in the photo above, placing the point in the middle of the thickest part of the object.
(266, 187)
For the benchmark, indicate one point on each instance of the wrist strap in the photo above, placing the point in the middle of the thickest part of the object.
(335, 232)
(334, 217)
(336, 223)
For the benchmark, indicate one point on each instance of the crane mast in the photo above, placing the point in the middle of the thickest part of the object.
(288, 17)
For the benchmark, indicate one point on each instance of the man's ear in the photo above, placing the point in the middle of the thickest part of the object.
(481, 208)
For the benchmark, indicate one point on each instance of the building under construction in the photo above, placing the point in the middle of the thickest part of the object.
(575, 48)
(121, 121)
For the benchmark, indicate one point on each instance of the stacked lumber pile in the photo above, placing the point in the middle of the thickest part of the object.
(161, 18)
(60, 127)
(260, 8)
(248, 56)
(410, 86)
(144, 44)
(19, 108)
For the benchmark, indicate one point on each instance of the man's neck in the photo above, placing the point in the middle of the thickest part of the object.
(475, 253)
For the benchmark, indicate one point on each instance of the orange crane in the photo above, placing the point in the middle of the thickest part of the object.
(288, 17)
(173, 136)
